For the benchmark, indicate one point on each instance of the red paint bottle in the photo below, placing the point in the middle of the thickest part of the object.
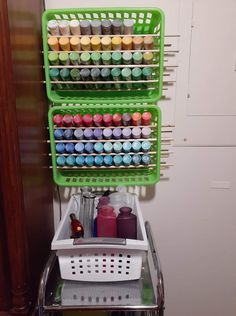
(106, 222)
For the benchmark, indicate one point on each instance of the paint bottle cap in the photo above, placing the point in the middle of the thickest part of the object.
(70, 160)
(127, 58)
(65, 73)
(148, 42)
(58, 118)
(108, 147)
(95, 57)
(70, 148)
(96, 27)
(136, 146)
(116, 42)
(53, 43)
(136, 118)
(128, 26)
(88, 133)
(136, 132)
(146, 118)
(107, 133)
(127, 147)
(61, 161)
(87, 119)
(107, 119)
(146, 159)
(126, 118)
(108, 160)
(105, 73)
(78, 133)
(117, 147)
(97, 118)
(58, 134)
(137, 58)
(126, 132)
(68, 133)
(117, 119)
(85, 58)
(146, 145)
(74, 57)
(85, 43)
(74, 27)
(115, 72)
(64, 43)
(53, 58)
(79, 147)
(117, 26)
(127, 159)
(136, 73)
(126, 73)
(64, 27)
(97, 133)
(54, 73)
(106, 43)
(75, 74)
(88, 147)
(117, 160)
(96, 43)
(85, 27)
(53, 27)
(147, 58)
(85, 74)
(136, 159)
(75, 43)
(127, 42)
(60, 148)
(106, 58)
(116, 58)
(89, 161)
(98, 147)
(147, 72)
(137, 42)
(79, 160)
(98, 160)
(63, 57)
(106, 27)
(117, 132)
(146, 132)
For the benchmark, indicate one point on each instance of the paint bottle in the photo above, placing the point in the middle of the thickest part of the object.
(126, 119)
(106, 222)
(58, 134)
(106, 43)
(136, 146)
(127, 58)
(58, 120)
(87, 120)
(79, 160)
(96, 43)
(78, 120)
(85, 27)
(60, 148)
(64, 43)
(106, 27)
(137, 58)
(116, 76)
(136, 132)
(64, 27)
(78, 133)
(147, 75)
(98, 148)
(116, 58)
(126, 224)
(75, 75)
(88, 147)
(97, 119)
(136, 119)
(70, 161)
(98, 133)
(136, 159)
(79, 148)
(65, 74)
(118, 160)
(98, 161)
(53, 58)
(126, 76)
(117, 133)
(146, 118)
(128, 26)
(89, 161)
(53, 43)
(136, 76)
(117, 119)
(146, 146)
(116, 43)
(106, 58)
(127, 43)
(95, 58)
(68, 120)
(117, 147)
(146, 159)
(85, 58)
(148, 58)
(61, 161)
(127, 160)
(74, 58)
(53, 27)
(55, 76)
(137, 42)
(117, 26)
(146, 132)
(75, 43)
(127, 146)
(64, 58)
(96, 27)
(148, 42)
(88, 133)
(70, 148)
(85, 76)
(108, 147)
(85, 43)
(74, 27)
(108, 160)
(105, 75)
(107, 119)
(68, 134)
(107, 133)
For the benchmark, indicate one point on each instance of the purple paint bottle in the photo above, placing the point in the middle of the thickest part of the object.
(107, 133)
(126, 132)
(117, 132)
(126, 118)
(97, 133)
(126, 224)
(88, 133)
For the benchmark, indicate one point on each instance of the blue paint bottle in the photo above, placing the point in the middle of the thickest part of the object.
(60, 148)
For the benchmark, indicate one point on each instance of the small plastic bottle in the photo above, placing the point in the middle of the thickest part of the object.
(106, 222)
(126, 224)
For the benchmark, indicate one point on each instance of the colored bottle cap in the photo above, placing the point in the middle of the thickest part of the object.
(146, 145)
(85, 43)
(96, 43)
(136, 132)
(87, 119)
(148, 42)
(79, 160)
(126, 73)
(98, 160)
(68, 134)
(108, 161)
(60, 148)
(96, 27)
(53, 27)
(89, 147)
(95, 74)
(95, 57)
(146, 159)
(58, 119)
(89, 160)
(78, 133)
(74, 27)
(108, 147)
(79, 147)
(97, 133)
(107, 133)
(106, 43)
(116, 42)
(106, 58)
(117, 26)
(53, 58)
(116, 58)
(127, 159)
(64, 58)
(75, 74)
(68, 120)
(146, 132)
(126, 132)
(75, 43)
(70, 148)
(98, 147)
(105, 73)
(58, 134)
(137, 58)
(146, 118)
(117, 119)
(97, 119)
(85, 27)
(127, 147)
(107, 119)
(137, 42)
(136, 73)
(136, 118)
(54, 73)
(117, 160)
(127, 42)
(106, 27)
(136, 159)
(64, 27)
(74, 57)
(65, 73)
(88, 133)
(147, 58)
(61, 161)
(127, 58)
(53, 43)
(117, 147)
(115, 72)
(78, 120)
(70, 160)
(128, 26)
(85, 58)
(117, 132)
(136, 146)
(64, 42)
(147, 72)
(85, 74)
(126, 118)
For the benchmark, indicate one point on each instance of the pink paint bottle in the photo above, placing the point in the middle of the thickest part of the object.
(78, 121)
(107, 119)
(68, 120)
(88, 120)
(106, 222)
(97, 120)
(57, 120)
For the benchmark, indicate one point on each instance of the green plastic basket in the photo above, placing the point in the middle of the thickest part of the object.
(147, 21)
(109, 176)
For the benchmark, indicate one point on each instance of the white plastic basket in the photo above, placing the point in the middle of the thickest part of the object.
(99, 259)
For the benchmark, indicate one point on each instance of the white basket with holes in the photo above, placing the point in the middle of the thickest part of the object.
(99, 259)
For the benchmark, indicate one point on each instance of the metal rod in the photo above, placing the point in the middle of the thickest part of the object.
(111, 167)
(104, 82)
(112, 51)
(102, 35)
(103, 154)
(101, 140)
(106, 66)
(102, 127)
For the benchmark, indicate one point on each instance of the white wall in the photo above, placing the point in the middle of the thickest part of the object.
(193, 209)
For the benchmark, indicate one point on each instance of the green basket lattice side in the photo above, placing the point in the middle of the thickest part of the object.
(109, 177)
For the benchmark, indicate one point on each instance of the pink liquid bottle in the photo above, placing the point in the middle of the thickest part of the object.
(106, 222)
(126, 224)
